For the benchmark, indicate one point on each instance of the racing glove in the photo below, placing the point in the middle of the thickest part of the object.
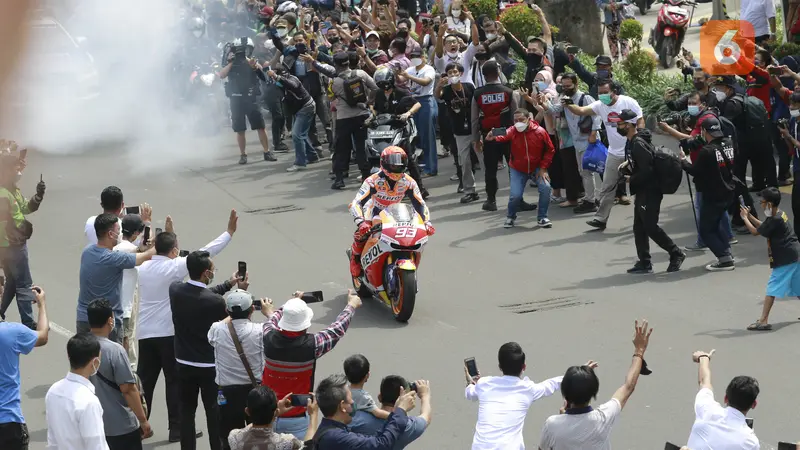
(363, 228)
(429, 228)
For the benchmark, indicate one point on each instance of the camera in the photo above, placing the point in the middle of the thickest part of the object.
(412, 386)
(566, 100)
(783, 123)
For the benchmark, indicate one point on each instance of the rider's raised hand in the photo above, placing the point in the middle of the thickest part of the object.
(430, 229)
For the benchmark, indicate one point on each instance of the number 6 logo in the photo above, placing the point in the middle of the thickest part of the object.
(727, 47)
(406, 232)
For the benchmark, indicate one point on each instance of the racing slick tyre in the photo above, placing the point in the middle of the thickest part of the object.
(403, 304)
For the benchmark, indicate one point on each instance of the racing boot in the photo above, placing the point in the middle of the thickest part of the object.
(355, 264)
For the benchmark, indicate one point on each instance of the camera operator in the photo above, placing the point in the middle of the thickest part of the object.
(712, 169)
(700, 81)
(243, 90)
(391, 387)
(640, 155)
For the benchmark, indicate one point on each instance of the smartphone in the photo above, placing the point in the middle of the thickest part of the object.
(300, 399)
(472, 367)
(787, 446)
(775, 71)
(242, 270)
(132, 210)
(573, 49)
(313, 45)
(257, 305)
(23, 153)
(741, 201)
(158, 231)
(146, 235)
(749, 422)
(671, 446)
(312, 297)
(498, 131)
(183, 253)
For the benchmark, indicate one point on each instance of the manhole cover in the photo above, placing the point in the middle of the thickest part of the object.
(545, 305)
(275, 209)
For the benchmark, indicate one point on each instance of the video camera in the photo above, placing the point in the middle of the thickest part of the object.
(238, 50)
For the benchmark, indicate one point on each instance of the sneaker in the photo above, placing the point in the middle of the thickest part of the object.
(641, 268)
(281, 147)
(501, 166)
(597, 224)
(675, 262)
(534, 184)
(471, 197)
(695, 248)
(585, 208)
(545, 223)
(333, 175)
(268, 156)
(338, 185)
(720, 267)
(557, 199)
(460, 188)
(525, 206)
(454, 177)
(509, 223)
(295, 168)
(243, 159)
(733, 241)
(489, 205)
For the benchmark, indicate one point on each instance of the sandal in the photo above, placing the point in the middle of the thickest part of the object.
(568, 204)
(758, 326)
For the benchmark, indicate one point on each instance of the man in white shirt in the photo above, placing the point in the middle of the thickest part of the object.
(74, 414)
(718, 428)
(154, 328)
(579, 426)
(503, 402)
(132, 227)
(760, 14)
(608, 108)
(112, 203)
(420, 78)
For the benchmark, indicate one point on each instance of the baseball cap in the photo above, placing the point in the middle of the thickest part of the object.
(626, 115)
(341, 58)
(603, 60)
(132, 223)
(725, 80)
(712, 127)
(240, 298)
(296, 316)
(372, 33)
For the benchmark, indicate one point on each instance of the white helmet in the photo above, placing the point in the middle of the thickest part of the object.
(286, 7)
(242, 41)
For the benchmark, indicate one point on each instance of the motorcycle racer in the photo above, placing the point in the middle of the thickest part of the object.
(387, 187)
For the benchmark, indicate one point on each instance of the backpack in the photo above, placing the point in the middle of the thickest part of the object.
(755, 113)
(728, 128)
(585, 122)
(355, 91)
(667, 166)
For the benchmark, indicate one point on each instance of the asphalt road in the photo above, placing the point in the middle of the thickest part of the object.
(481, 286)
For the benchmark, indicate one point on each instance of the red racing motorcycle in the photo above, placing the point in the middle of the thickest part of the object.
(390, 259)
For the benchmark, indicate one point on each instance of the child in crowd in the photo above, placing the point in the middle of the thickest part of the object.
(356, 368)
(783, 250)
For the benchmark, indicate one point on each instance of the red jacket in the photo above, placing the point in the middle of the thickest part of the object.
(530, 150)
(759, 85)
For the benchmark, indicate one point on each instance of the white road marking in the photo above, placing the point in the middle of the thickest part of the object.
(446, 325)
(61, 330)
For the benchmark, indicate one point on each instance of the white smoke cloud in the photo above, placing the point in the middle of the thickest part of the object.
(133, 46)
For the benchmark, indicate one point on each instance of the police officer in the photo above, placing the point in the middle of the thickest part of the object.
(244, 73)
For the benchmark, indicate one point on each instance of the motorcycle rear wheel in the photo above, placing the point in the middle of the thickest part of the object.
(667, 54)
(403, 304)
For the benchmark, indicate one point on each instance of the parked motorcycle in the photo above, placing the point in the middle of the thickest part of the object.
(670, 30)
(390, 259)
(386, 130)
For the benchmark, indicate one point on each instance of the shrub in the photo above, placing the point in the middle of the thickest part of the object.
(632, 30)
(787, 49)
(521, 21)
(481, 7)
(650, 93)
(640, 65)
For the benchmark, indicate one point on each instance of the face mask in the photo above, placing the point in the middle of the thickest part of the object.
(768, 212)
(282, 32)
(372, 51)
(541, 85)
(721, 96)
(402, 34)
(490, 36)
(352, 411)
(521, 126)
(533, 60)
(456, 13)
(699, 85)
(603, 74)
(622, 131)
(19, 176)
(481, 56)
(416, 61)
(452, 54)
(569, 92)
(605, 99)
(197, 33)
(794, 112)
(95, 367)
(693, 110)
(210, 277)
(456, 80)
(333, 40)
(559, 89)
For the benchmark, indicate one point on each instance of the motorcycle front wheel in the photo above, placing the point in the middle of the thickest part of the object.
(403, 303)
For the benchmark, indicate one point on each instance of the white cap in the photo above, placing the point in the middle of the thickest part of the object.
(240, 298)
(296, 316)
(372, 33)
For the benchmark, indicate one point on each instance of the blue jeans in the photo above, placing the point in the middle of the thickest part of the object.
(303, 150)
(425, 119)
(18, 283)
(724, 221)
(516, 182)
(296, 426)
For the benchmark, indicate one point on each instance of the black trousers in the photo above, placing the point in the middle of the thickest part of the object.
(194, 381)
(14, 436)
(231, 414)
(556, 169)
(572, 178)
(155, 355)
(783, 152)
(647, 207)
(733, 207)
(130, 441)
(796, 203)
(272, 100)
(493, 153)
(323, 114)
(350, 133)
(756, 148)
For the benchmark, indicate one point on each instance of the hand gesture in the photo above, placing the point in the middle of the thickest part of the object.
(423, 388)
(406, 400)
(472, 380)
(241, 283)
(641, 337)
(169, 226)
(468, 14)
(591, 364)
(360, 51)
(266, 306)
(744, 212)
(38, 295)
(233, 221)
(285, 404)
(353, 300)
(526, 95)
(147, 212)
(699, 354)
(442, 30)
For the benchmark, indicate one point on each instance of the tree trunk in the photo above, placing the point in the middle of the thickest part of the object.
(579, 22)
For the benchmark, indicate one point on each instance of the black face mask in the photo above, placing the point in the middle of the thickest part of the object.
(402, 34)
(623, 131)
(559, 89)
(699, 85)
(333, 40)
(533, 60)
(570, 91)
(481, 56)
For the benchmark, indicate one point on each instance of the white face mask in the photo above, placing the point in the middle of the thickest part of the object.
(197, 33)
(454, 80)
(794, 112)
(282, 32)
(456, 13)
(769, 212)
(521, 126)
(452, 54)
(416, 61)
(720, 96)
(490, 36)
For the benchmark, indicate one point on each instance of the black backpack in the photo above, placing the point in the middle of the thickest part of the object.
(667, 166)
(755, 113)
(355, 91)
(728, 128)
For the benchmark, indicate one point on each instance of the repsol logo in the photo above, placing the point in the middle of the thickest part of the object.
(370, 256)
(490, 99)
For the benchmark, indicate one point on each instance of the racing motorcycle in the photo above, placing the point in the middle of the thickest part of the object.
(208, 96)
(667, 36)
(386, 130)
(390, 259)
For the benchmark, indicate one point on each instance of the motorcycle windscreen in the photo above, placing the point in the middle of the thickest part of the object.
(399, 212)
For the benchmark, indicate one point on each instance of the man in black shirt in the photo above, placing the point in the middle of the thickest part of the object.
(195, 307)
(457, 97)
(783, 250)
(300, 105)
